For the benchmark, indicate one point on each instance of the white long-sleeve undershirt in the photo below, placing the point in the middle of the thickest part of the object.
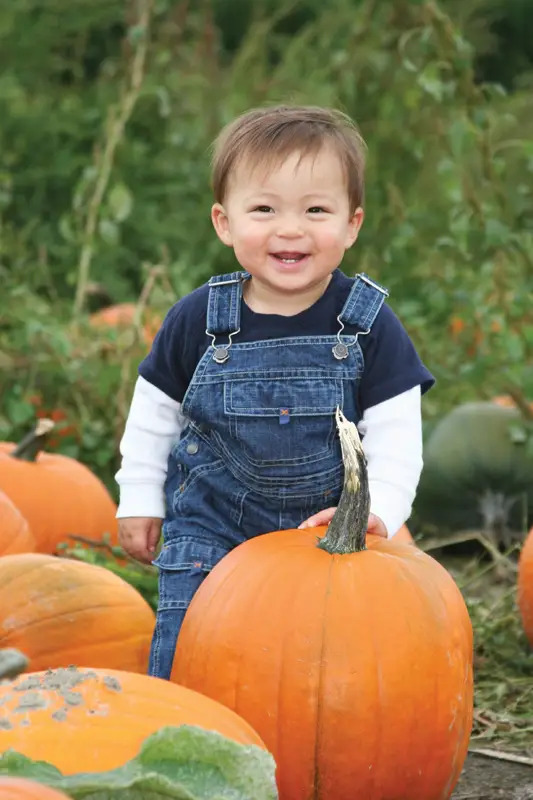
(392, 441)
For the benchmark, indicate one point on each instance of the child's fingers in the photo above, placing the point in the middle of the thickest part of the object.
(135, 543)
(376, 526)
(323, 517)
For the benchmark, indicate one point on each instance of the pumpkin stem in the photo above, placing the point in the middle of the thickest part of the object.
(12, 663)
(31, 445)
(347, 530)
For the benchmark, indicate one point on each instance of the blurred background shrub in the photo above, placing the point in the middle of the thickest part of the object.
(108, 109)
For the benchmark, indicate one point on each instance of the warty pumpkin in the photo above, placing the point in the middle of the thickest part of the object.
(525, 585)
(91, 720)
(352, 661)
(58, 611)
(57, 495)
(24, 789)
(15, 533)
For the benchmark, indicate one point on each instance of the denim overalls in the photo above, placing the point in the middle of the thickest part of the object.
(260, 452)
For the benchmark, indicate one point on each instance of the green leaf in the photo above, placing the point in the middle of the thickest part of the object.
(120, 202)
(429, 80)
(65, 228)
(19, 411)
(108, 231)
(183, 763)
(18, 766)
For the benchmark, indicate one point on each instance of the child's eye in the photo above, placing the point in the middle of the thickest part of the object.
(263, 209)
(316, 210)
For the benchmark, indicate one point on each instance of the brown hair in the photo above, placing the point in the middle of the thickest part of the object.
(265, 136)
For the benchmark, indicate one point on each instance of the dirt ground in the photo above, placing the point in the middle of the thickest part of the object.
(485, 778)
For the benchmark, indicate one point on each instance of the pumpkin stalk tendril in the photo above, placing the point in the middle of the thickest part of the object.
(347, 530)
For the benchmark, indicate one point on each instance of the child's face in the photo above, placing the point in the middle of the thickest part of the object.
(289, 227)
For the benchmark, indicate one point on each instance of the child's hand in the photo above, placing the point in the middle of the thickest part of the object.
(375, 525)
(139, 536)
(323, 517)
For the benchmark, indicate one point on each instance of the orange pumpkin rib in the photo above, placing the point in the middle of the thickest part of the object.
(58, 496)
(525, 586)
(15, 533)
(24, 789)
(110, 714)
(59, 612)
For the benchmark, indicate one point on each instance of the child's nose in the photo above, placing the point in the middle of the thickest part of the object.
(289, 227)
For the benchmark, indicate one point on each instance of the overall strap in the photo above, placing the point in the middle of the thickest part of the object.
(364, 301)
(224, 304)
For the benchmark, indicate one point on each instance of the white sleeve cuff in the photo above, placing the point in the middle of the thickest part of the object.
(392, 441)
(141, 500)
(392, 510)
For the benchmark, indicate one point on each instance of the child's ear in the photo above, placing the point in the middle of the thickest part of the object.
(354, 226)
(220, 222)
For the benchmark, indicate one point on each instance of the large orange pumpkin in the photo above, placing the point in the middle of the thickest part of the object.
(91, 720)
(24, 789)
(15, 534)
(58, 611)
(353, 663)
(403, 535)
(56, 494)
(525, 585)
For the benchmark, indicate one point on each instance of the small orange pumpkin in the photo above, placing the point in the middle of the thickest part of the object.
(24, 789)
(506, 401)
(352, 661)
(525, 586)
(91, 720)
(15, 534)
(58, 611)
(122, 315)
(57, 495)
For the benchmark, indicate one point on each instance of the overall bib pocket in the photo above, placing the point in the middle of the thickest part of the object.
(283, 422)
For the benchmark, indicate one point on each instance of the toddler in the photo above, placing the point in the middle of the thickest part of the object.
(231, 431)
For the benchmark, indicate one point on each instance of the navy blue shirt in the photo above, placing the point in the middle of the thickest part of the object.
(392, 365)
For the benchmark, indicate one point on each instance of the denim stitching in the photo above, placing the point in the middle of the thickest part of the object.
(191, 479)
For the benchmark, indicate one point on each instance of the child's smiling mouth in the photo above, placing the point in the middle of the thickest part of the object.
(289, 257)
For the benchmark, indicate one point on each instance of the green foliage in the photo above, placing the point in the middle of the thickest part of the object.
(184, 763)
(502, 655)
(142, 577)
(104, 177)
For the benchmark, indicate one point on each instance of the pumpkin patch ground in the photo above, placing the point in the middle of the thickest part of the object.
(487, 779)
(503, 686)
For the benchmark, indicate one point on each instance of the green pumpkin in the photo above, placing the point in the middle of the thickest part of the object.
(478, 472)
